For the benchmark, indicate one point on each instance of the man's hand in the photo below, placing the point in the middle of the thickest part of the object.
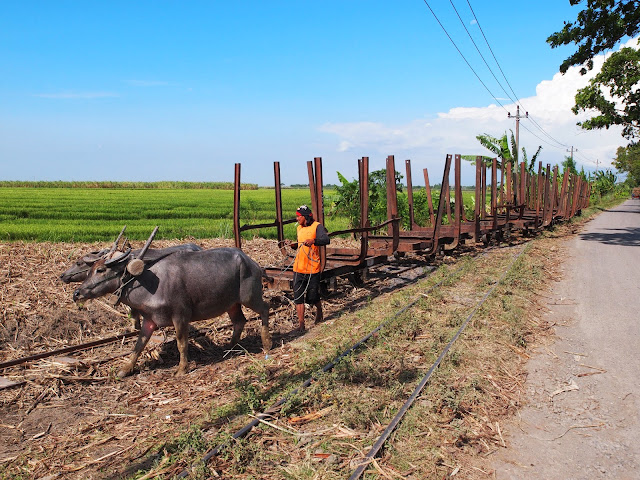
(308, 242)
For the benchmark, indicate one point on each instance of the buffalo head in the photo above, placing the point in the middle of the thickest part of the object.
(104, 277)
(79, 271)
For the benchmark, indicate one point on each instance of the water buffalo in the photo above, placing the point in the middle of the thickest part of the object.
(79, 271)
(179, 289)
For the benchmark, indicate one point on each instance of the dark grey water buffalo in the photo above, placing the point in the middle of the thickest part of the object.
(179, 289)
(79, 271)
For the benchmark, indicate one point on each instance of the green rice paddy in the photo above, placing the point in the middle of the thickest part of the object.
(79, 213)
(98, 214)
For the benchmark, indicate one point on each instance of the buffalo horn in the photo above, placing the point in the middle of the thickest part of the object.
(148, 244)
(91, 258)
(119, 258)
(136, 266)
(115, 244)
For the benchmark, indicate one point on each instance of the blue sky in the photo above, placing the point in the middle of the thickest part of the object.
(159, 90)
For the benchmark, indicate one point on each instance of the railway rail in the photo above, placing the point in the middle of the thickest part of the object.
(272, 412)
(520, 202)
(393, 271)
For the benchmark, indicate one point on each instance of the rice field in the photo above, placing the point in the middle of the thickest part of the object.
(98, 214)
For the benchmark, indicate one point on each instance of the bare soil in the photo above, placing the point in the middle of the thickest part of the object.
(72, 418)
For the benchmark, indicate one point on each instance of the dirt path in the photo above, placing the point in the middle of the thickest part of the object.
(582, 420)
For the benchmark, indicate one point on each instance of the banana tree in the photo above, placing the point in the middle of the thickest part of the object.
(503, 148)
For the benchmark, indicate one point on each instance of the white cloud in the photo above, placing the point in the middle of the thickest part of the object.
(454, 131)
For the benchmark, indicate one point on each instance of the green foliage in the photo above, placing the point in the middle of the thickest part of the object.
(128, 185)
(569, 165)
(249, 394)
(614, 92)
(191, 440)
(604, 183)
(598, 28)
(97, 214)
(531, 165)
(628, 160)
(503, 148)
(617, 84)
(347, 201)
(378, 196)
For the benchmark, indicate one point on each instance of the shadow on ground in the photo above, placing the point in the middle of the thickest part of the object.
(629, 237)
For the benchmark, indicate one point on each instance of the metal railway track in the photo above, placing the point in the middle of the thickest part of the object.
(25, 360)
(273, 410)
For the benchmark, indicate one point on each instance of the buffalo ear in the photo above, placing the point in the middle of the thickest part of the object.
(135, 267)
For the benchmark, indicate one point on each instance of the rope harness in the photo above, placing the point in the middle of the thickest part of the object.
(123, 283)
(283, 270)
(308, 255)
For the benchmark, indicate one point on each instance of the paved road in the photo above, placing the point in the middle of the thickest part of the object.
(583, 417)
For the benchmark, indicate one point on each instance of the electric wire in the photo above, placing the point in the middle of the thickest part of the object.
(537, 125)
(541, 139)
(518, 101)
(480, 53)
(462, 55)
(491, 50)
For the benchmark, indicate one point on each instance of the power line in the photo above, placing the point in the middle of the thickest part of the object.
(494, 57)
(541, 139)
(462, 55)
(561, 145)
(479, 52)
(518, 102)
(505, 77)
(585, 158)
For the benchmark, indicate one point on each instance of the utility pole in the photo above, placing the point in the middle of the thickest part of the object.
(517, 117)
(572, 160)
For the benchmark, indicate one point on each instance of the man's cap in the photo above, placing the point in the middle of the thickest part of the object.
(303, 211)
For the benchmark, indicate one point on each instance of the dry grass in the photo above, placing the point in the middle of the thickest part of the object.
(76, 420)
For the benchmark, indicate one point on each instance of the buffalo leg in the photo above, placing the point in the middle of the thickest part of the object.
(238, 320)
(137, 319)
(182, 339)
(264, 333)
(262, 308)
(147, 329)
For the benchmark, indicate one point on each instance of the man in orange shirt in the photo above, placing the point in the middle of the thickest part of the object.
(306, 267)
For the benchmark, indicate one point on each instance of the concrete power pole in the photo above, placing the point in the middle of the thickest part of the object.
(517, 117)
(572, 150)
